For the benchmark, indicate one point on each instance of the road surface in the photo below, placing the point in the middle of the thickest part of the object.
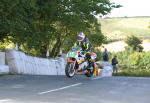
(79, 89)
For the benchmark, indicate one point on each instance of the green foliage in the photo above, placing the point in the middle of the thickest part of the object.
(145, 61)
(5, 43)
(96, 39)
(99, 54)
(2, 46)
(41, 25)
(133, 63)
(135, 73)
(134, 42)
(135, 58)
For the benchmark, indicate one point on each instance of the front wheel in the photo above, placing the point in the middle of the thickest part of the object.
(70, 70)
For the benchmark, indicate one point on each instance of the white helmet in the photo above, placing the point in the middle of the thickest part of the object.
(81, 36)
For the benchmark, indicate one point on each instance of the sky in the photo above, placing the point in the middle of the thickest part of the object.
(131, 8)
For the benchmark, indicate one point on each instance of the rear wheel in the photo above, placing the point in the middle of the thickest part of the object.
(70, 70)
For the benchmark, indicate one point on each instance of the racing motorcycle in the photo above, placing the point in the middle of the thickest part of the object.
(76, 62)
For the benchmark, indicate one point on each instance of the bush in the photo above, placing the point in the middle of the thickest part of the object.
(135, 58)
(99, 55)
(134, 63)
(131, 63)
(145, 60)
(134, 42)
(135, 73)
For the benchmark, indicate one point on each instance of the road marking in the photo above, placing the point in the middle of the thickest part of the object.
(58, 89)
(54, 90)
(96, 78)
(18, 86)
(4, 100)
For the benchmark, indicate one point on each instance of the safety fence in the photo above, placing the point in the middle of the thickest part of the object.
(20, 63)
(2, 58)
(4, 69)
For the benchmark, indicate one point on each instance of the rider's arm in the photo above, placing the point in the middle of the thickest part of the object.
(75, 45)
(87, 47)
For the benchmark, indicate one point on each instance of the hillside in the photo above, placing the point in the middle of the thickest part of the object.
(119, 28)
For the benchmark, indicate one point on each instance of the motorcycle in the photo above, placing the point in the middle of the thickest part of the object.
(76, 62)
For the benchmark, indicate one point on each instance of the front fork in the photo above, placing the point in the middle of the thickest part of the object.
(74, 64)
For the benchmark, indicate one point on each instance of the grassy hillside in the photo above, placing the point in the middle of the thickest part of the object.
(119, 28)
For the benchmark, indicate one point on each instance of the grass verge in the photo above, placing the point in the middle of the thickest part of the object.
(134, 73)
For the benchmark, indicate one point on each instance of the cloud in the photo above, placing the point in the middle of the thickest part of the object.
(131, 8)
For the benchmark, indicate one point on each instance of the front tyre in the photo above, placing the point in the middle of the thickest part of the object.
(70, 70)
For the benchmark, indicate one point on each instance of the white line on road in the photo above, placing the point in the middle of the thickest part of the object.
(4, 100)
(96, 78)
(54, 90)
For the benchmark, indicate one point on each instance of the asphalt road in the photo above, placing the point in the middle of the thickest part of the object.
(60, 89)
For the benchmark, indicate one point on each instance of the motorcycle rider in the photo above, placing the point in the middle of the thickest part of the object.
(85, 44)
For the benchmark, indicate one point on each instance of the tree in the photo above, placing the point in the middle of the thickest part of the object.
(41, 25)
(134, 42)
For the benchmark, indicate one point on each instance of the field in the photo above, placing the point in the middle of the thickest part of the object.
(120, 28)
